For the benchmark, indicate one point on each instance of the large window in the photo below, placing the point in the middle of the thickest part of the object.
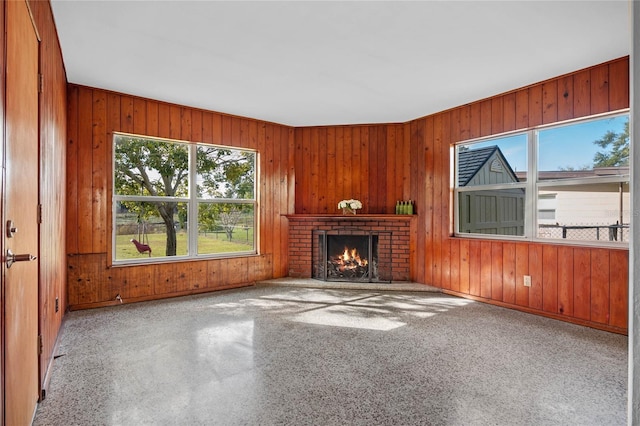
(181, 200)
(561, 182)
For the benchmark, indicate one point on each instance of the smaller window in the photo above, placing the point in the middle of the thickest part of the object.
(491, 195)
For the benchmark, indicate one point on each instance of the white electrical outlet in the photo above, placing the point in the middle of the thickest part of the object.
(527, 280)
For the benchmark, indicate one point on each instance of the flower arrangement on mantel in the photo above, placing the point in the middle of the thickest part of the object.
(349, 206)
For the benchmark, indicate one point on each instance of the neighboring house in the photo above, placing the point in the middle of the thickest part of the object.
(498, 211)
(596, 211)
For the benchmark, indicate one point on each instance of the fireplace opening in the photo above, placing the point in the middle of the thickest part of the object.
(350, 257)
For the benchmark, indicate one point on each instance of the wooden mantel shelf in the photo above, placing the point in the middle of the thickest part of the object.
(350, 217)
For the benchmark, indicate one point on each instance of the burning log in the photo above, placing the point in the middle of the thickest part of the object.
(348, 265)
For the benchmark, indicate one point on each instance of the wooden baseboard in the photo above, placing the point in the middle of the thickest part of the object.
(558, 317)
(82, 306)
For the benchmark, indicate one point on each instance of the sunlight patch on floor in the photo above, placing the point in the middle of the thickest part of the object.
(350, 316)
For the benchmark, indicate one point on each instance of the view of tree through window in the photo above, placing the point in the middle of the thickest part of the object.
(567, 182)
(181, 199)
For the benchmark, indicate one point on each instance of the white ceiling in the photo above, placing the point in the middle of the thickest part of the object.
(327, 63)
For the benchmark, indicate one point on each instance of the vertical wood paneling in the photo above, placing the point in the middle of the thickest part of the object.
(599, 89)
(270, 220)
(619, 288)
(428, 199)
(475, 118)
(390, 169)
(619, 86)
(497, 117)
(405, 163)
(582, 93)
(422, 137)
(372, 164)
(522, 269)
(330, 178)
(600, 293)
(509, 112)
(522, 109)
(550, 279)
(216, 129)
(363, 149)
(454, 265)
(152, 118)
(464, 266)
(535, 271)
(99, 173)
(475, 260)
(85, 171)
(175, 122)
(496, 271)
(381, 184)
(72, 169)
(434, 242)
(443, 191)
(485, 118)
(427, 202)
(196, 126)
(535, 105)
(465, 120)
(582, 283)
(314, 166)
(139, 116)
(126, 114)
(509, 273)
(446, 265)
(550, 102)
(565, 281)
(565, 98)
(341, 170)
(486, 273)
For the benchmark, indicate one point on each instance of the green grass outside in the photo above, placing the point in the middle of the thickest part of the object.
(208, 243)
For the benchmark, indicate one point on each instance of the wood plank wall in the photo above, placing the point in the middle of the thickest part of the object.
(381, 164)
(93, 116)
(52, 194)
(368, 163)
(576, 283)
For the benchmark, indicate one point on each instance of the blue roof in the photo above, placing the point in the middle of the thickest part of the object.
(472, 160)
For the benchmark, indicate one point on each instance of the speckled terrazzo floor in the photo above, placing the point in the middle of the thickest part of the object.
(298, 356)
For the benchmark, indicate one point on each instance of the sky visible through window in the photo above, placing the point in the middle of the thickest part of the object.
(561, 148)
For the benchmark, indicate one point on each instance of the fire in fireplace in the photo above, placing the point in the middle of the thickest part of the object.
(346, 257)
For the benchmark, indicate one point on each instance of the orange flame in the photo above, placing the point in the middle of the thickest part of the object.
(350, 259)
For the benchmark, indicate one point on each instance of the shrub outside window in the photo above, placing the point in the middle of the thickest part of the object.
(177, 200)
(567, 182)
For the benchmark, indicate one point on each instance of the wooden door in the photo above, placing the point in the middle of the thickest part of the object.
(20, 205)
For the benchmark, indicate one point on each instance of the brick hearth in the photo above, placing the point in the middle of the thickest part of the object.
(301, 228)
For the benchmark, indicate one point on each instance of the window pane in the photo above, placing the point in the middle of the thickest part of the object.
(225, 173)
(502, 160)
(150, 229)
(587, 212)
(150, 167)
(499, 212)
(225, 228)
(586, 149)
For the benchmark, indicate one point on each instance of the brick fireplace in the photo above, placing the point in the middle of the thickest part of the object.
(391, 233)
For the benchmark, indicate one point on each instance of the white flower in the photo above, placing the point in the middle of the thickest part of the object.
(352, 204)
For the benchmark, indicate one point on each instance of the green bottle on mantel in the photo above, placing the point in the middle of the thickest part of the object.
(410, 207)
(398, 207)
